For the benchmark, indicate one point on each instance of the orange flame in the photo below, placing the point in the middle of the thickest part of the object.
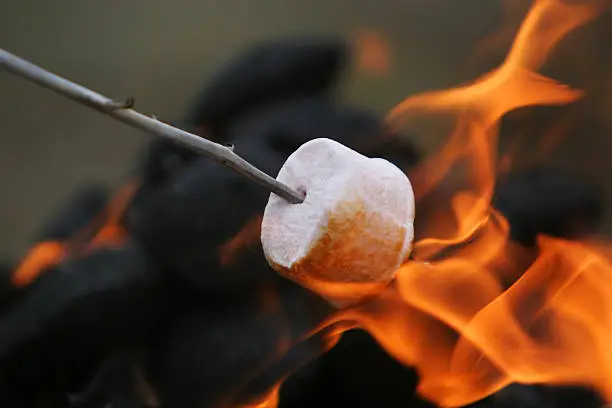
(39, 258)
(112, 232)
(467, 314)
(106, 229)
(550, 326)
(475, 312)
(270, 400)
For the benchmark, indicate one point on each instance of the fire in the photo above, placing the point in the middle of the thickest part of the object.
(474, 312)
(112, 232)
(471, 312)
(39, 258)
(231, 251)
(270, 400)
(104, 230)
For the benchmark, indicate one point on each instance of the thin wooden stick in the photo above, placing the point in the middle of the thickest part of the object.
(123, 112)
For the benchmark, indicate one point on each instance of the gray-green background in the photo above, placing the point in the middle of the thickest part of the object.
(158, 51)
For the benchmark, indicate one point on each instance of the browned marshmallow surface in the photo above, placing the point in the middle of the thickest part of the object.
(353, 230)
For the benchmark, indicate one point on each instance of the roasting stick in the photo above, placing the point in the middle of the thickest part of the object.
(122, 111)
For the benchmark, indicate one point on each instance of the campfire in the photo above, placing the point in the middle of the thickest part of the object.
(161, 295)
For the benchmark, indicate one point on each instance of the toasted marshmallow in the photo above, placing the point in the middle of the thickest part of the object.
(353, 230)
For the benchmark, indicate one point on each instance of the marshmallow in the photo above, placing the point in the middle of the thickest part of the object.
(353, 230)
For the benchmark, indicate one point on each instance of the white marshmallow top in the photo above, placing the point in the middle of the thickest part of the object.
(354, 226)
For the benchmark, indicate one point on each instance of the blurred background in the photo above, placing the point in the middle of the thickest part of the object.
(163, 52)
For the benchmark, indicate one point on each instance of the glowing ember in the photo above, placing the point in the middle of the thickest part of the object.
(39, 258)
(105, 230)
(112, 232)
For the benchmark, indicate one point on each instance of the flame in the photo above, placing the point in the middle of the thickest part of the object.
(104, 230)
(551, 326)
(472, 313)
(112, 232)
(37, 259)
(481, 104)
(270, 400)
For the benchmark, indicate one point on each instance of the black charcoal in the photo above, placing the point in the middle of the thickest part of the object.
(8, 291)
(228, 351)
(268, 72)
(548, 200)
(184, 223)
(161, 158)
(79, 311)
(358, 372)
(284, 127)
